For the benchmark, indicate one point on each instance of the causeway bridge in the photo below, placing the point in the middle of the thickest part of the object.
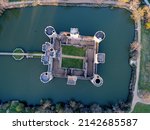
(20, 54)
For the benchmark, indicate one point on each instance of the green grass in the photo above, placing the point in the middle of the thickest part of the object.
(72, 63)
(141, 108)
(144, 78)
(71, 50)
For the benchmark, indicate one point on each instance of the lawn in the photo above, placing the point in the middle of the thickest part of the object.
(72, 63)
(71, 50)
(144, 78)
(141, 108)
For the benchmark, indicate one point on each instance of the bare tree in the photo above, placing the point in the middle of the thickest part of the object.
(135, 46)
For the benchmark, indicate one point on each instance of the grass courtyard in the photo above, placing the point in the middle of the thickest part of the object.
(144, 78)
(74, 51)
(72, 63)
(141, 108)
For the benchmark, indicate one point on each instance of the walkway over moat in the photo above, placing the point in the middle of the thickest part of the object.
(19, 54)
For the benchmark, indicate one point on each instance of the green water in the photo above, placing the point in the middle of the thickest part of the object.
(25, 28)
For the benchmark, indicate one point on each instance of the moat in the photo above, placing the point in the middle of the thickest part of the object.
(25, 28)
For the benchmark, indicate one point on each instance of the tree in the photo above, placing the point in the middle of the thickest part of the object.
(135, 16)
(147, 25)
(134, 4)
(20, 107)
(135, 46)
(147, 13)
(95, 108)
(59, 108)
(138, 14)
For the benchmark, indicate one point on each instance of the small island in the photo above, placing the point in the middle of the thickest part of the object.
(70, 55)
(18, 54)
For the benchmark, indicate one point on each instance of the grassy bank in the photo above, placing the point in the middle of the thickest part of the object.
(141, 108)
(144, 79)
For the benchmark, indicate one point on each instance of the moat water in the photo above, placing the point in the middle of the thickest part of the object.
(25, 28)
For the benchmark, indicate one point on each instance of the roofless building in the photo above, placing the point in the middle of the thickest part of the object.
(53, 56)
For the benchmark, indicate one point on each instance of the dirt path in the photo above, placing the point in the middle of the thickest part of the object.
(135, 92)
